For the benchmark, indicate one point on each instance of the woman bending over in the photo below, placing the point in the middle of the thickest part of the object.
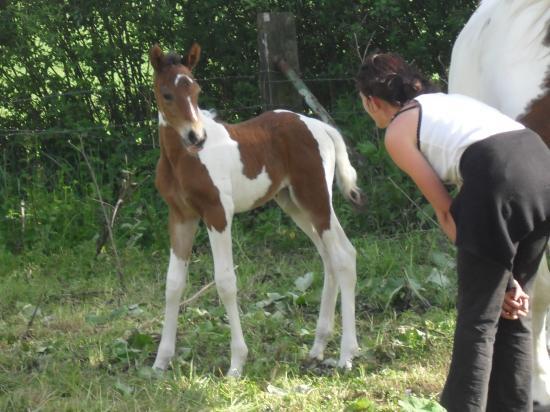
(499, 221)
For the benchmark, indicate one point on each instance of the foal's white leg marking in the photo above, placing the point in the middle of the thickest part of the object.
(176, 278)
(541, 361)
(175, 284)
(325, 321)
(342, 256)
(226, 283)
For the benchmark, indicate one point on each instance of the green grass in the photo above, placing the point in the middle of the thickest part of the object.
(90, 345)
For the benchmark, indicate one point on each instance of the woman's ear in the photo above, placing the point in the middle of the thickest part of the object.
(375, 102)
(372, 104)
(364, 100)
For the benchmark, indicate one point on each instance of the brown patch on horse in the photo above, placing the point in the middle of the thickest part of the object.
(546, 40)
(185, 184)
(283, 145)
(537, 115)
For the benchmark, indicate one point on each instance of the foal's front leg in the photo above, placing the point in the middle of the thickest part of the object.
(226, 283)
(182, 234)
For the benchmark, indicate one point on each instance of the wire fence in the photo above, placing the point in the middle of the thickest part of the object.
(24, 148)
(146, 90)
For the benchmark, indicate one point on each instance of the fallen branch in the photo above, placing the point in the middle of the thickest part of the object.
(119, 270)
(203, 290)
(127, 188)
(31, 320)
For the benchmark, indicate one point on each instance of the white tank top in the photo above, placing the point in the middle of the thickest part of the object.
(449, 123)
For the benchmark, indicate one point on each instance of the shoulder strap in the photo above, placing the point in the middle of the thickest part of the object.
(414, 105)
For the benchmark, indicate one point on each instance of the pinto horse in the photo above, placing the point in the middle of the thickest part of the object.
(502, 57)
(209, 171)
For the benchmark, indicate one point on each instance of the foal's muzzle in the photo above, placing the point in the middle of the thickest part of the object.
(196, 143)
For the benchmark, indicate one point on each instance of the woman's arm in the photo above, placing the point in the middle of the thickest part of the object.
(402, 147)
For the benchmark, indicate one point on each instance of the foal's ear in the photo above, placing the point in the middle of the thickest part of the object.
(192, 57)
(156, 57)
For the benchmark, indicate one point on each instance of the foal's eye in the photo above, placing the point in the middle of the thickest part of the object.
(168, 96)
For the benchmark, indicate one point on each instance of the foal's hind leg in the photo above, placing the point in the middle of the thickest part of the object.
(325, 321)
(342, 257)
(182, 233)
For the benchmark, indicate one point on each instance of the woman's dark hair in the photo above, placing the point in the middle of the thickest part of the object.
(388, 76)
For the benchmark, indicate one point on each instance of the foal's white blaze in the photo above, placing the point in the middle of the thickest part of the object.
(223, 161)
(176, 280)
(162, 120)
(192, 109)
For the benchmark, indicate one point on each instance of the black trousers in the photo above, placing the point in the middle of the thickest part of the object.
(491, 365)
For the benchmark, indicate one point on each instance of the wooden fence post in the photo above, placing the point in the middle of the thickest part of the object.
(276, 40)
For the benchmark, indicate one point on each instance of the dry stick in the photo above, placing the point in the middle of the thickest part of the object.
(127, 188)
(31, 320)
(362, 57)
(104, 210)
(186, 302)
(413, 202)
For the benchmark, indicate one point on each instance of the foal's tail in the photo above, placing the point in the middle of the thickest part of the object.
(346, 176)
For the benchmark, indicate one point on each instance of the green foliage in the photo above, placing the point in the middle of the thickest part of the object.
(79, 69)
(414, 404)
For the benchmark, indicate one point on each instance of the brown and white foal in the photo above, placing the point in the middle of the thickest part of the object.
(502, 57)
(209, 171)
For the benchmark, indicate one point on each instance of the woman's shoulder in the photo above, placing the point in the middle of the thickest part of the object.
(403, 128)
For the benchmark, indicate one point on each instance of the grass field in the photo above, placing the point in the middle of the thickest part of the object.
(71, 339)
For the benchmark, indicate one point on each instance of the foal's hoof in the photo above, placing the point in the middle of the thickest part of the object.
(346, 364)
(234, 373)
(160, 366)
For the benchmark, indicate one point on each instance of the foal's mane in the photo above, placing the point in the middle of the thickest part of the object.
(173, 59)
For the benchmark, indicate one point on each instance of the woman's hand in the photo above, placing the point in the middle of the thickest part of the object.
(516, 302)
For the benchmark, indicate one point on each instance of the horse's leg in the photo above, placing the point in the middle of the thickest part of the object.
(182, 233)
(226, 284)
(325, 322)
(342, 256)
(541, 361)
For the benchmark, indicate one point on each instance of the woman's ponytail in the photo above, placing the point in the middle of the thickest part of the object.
(388, 76)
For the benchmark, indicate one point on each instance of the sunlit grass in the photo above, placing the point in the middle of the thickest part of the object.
(71, 339)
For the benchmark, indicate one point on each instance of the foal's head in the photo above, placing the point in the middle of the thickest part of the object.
(177, 93)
